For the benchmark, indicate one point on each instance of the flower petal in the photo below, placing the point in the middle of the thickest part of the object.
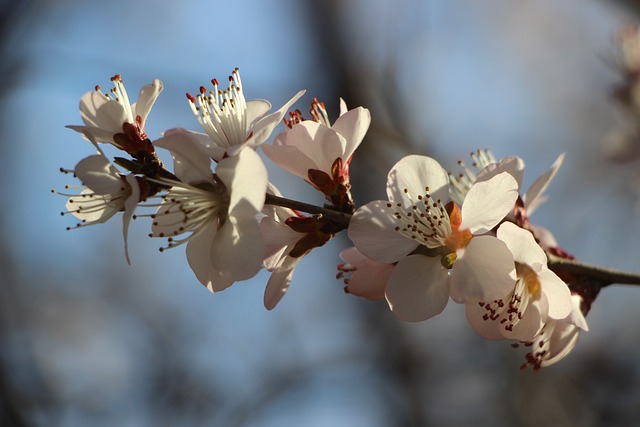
(557, 293)
(264, 127)
(486, 328)
(522, 245)
(368, 278)
(534, 196)
(513, 165)
(147, 97)
(488, 202)
(353, 126)
(191, 161)
(97, 173)
(418, 288)
(414, 173)
(484, 272)
(199, 258)
(129, 207)
(372, 231)
(245, 176)
(238, 249)
(98, 111)
(279, 282)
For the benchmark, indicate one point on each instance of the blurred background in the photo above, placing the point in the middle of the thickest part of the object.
(87, 340)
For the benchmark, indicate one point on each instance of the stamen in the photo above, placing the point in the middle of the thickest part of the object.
(424, 220)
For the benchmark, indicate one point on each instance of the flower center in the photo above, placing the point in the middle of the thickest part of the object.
(222, 114)
(190, 208)
(510, 312)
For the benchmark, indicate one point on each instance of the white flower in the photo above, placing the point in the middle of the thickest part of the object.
(362, 276)
(487, 167)
(231, 122)
(557, 338)
(219, 211)
(289, 236)
(105, 192)
(111, 118)
(428, 236)
(538, 297)
(316, 145)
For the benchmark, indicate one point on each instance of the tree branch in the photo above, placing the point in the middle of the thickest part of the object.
(604, 276)
(339, 218)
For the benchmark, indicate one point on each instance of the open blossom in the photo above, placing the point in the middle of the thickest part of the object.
(439, 248)
(230, 122)
(320, 152)
(111, 118)
(105, 192)
(362, 276)
(538, 297)
(487, 167)
(217, 209)
(289, 236)
(557, 338)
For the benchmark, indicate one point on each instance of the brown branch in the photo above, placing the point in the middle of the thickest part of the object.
(339, 218)
(604, 276)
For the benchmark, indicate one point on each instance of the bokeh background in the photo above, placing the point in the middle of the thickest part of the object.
(87, 340)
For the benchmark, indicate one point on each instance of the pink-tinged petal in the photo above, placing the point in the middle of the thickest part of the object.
(488, 202)
(279, 282)
(97, 173)
(265, 126)
(129, 207)
(485, 271)
(372, 231)
(97, 111)
(245, 177)
(353, 126)
(415, 173)
(486, 328)
(418, 288)
(513, 165)
(557, 294)
(238, 249)
(522, 245)
(290, 158)
(368, 279)
(147, 97)
(190, 161)
(534, 196)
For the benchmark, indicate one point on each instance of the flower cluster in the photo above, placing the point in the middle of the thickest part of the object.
(437, 237)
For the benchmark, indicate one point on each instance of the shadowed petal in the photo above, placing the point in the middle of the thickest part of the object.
(418, 288)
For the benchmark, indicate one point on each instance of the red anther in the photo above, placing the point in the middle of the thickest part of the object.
(98, 88)
(215, 82)
(203, 90)
(116, 78)
(191, 98)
